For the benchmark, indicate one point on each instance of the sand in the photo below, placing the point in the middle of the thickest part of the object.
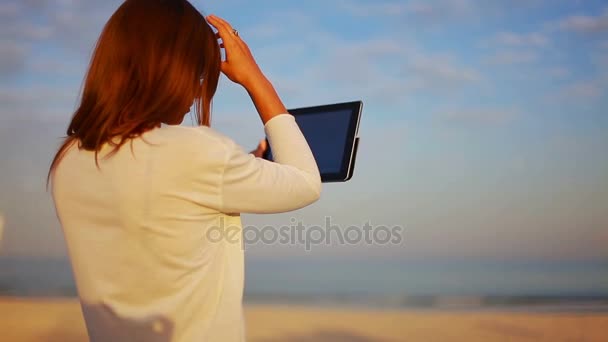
(34, 319)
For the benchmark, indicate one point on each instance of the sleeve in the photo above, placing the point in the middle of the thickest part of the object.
(256, 185)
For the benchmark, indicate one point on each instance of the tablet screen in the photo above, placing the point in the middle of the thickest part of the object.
(330, 131)
(327, 137)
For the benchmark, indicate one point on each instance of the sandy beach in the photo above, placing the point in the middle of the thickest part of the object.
(35, 319)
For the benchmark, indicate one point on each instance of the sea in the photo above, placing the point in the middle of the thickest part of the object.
(549, 286)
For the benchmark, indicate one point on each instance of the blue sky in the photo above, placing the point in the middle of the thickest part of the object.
(484, 129)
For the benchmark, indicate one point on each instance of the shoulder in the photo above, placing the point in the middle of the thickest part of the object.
(201, 141)
(196, 135)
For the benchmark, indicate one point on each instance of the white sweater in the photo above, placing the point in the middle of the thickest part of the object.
(142, 234)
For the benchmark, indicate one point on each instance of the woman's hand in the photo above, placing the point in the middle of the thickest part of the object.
(240, 66)
(262, 147)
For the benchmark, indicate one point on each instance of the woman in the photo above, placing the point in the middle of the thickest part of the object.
(149, 208)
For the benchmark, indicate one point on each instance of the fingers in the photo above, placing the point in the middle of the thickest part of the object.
(224, 29)
(263, 146)
(225, 33)
(238, 61)
(221, 29)
(259, 151)
(222, 22)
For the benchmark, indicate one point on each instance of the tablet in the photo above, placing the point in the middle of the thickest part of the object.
(331, 132)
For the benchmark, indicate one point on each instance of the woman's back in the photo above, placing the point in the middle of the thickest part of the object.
(141, 223)
(154, 246)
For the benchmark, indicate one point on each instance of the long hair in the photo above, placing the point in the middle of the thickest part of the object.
(153, 60)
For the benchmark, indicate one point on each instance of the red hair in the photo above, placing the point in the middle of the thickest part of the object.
(153, 60)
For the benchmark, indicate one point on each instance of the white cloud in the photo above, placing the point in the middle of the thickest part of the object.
(583, 90)
(323, 63)
(391, 72)
(510, 48)
(12, 58)
(68, 23)
(366, 9)
(440, 8)
(404, 65)
(600, 61)
(512, 57)
(586, 24)
(35, 94)
(437, 70)
(60, 68)
(558, 72)
(24, 31)
(8, 9)
(37, 103)
(25, 24)
(436, 13)
(432, 13)
(262, 31)
(480, 115)
(534, 39)
(579, 91)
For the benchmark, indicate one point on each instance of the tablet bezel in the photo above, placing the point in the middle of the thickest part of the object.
(355, 108)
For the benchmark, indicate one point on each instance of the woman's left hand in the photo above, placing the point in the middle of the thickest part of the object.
(262, 147)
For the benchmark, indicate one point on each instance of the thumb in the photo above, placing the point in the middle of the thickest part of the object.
(259, 151)
(263, 146)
